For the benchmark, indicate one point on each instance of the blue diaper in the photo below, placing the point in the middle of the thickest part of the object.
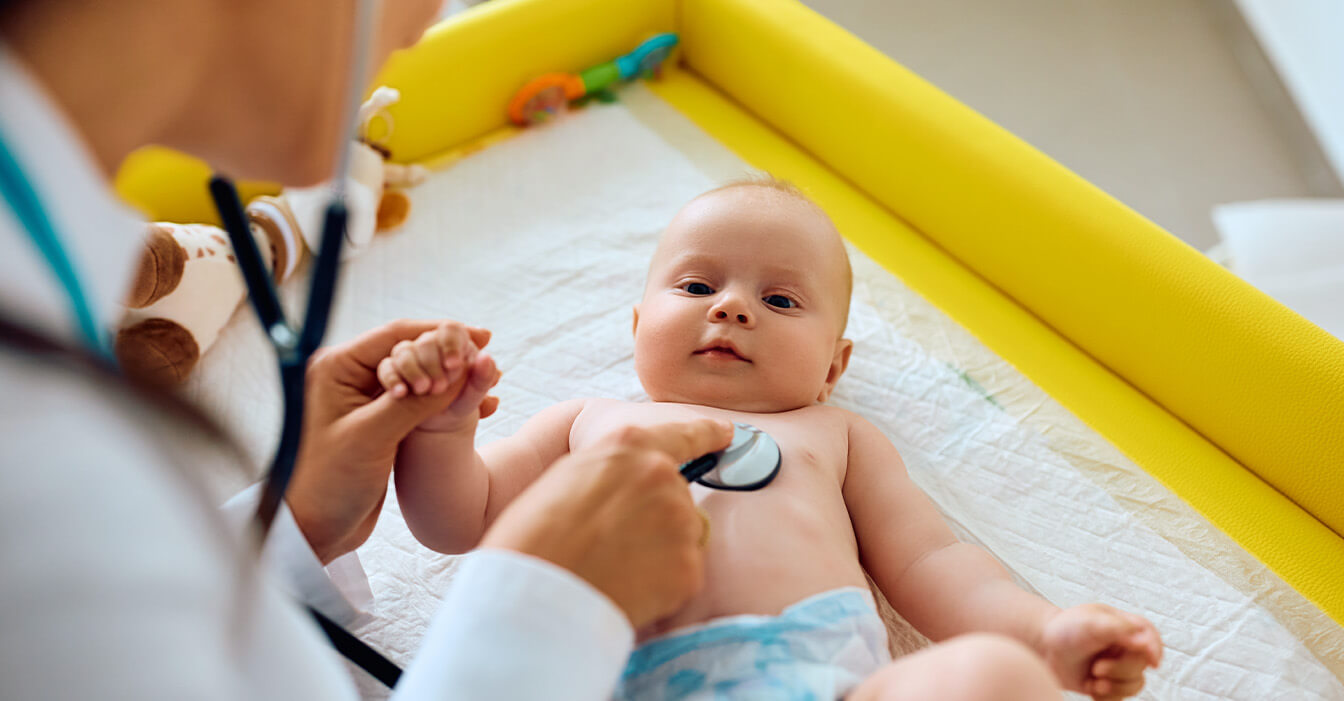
(816, 650)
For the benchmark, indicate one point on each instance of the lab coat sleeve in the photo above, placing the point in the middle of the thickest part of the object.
(340, 590)
(517, 627)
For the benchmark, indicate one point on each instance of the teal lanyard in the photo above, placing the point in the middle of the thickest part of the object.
(24, 202)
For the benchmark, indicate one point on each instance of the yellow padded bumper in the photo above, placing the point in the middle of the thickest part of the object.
(1262, 384)
(458, 80)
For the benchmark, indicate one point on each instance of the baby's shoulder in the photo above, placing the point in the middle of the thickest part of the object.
(854, 428)
(822, 423)
(832, 416)
(591, 407)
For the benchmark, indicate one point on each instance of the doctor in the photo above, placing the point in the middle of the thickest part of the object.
(118, 577)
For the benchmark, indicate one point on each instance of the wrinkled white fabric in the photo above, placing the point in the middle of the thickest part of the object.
(546, 238)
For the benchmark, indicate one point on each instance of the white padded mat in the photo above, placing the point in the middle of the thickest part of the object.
(545, 239)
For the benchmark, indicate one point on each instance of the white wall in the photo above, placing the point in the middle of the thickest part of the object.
(1304, 40)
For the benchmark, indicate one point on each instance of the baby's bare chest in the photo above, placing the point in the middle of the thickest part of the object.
(813, 441)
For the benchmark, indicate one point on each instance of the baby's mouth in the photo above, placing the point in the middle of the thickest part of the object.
(721, 351)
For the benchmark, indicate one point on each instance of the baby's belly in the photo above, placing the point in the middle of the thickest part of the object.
(770, 549)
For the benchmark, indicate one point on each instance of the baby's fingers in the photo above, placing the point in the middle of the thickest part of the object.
(483, 376)
(1107, 689)
(1103, 629)
(1125, 667)
(1146, 638)
(389, 379)
(488, 406)
(452, 341)
(427, 355)
(407, 364)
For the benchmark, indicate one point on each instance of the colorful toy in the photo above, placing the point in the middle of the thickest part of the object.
(549, 95)
(188, 283)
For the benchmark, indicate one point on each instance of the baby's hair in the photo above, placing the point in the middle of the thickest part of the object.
(764, 180)
(770, 182)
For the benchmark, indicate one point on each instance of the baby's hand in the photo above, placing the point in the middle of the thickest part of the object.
(1098, 650)
(1101, 651)
(446, 361)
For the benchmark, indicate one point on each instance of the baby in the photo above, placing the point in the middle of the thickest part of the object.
(742, 318)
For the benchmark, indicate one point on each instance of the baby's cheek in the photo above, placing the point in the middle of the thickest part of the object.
(654, 361)
(811, 360)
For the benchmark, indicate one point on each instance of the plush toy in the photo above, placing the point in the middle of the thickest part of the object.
(188, 283)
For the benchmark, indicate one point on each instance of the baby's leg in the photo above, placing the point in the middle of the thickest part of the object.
(977, 667)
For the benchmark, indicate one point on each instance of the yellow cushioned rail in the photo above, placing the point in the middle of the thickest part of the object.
(457, 81)
(1261, 382)
(166, 185)
(1293, 543)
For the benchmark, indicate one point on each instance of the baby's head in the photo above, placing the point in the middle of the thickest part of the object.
(746, 302)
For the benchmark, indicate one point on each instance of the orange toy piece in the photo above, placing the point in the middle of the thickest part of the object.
(543, 96)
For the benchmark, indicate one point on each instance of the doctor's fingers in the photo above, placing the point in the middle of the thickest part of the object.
(480, 337)
(359, 358)
(680, 441)
(355, 362)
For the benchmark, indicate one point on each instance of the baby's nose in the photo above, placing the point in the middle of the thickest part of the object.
(723, 315)
(730, 308)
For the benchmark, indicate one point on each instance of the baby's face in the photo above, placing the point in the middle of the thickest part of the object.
(745, 303)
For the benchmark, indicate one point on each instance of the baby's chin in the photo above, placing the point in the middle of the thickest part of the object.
(728, 400)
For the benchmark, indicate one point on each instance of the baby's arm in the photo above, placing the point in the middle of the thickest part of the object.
(942, 586)
(450, 493)
(945, 588)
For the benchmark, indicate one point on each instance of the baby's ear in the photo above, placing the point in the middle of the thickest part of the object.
(634, 324)
(839, 362)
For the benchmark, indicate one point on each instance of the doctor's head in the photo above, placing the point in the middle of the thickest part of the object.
(255, 87)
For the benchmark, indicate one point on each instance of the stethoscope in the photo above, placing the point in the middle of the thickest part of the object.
(750, 462)
(294, 344)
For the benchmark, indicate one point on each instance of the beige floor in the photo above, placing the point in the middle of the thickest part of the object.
(1143, 97)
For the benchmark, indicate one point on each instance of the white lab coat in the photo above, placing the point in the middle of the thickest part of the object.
(119, 578)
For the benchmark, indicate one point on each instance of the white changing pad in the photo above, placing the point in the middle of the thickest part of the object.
(545, 239)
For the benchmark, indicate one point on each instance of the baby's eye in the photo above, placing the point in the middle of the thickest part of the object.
(699, 288)
(780, 301)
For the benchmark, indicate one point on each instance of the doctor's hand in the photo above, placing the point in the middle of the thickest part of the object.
(351, 430)
(619, 515)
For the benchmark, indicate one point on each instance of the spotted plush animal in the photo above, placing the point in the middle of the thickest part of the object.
(188, 283)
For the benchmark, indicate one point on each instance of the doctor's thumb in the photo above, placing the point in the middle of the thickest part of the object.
(388, 418)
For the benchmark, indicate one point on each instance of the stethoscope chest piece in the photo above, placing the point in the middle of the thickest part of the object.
(749, 463)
